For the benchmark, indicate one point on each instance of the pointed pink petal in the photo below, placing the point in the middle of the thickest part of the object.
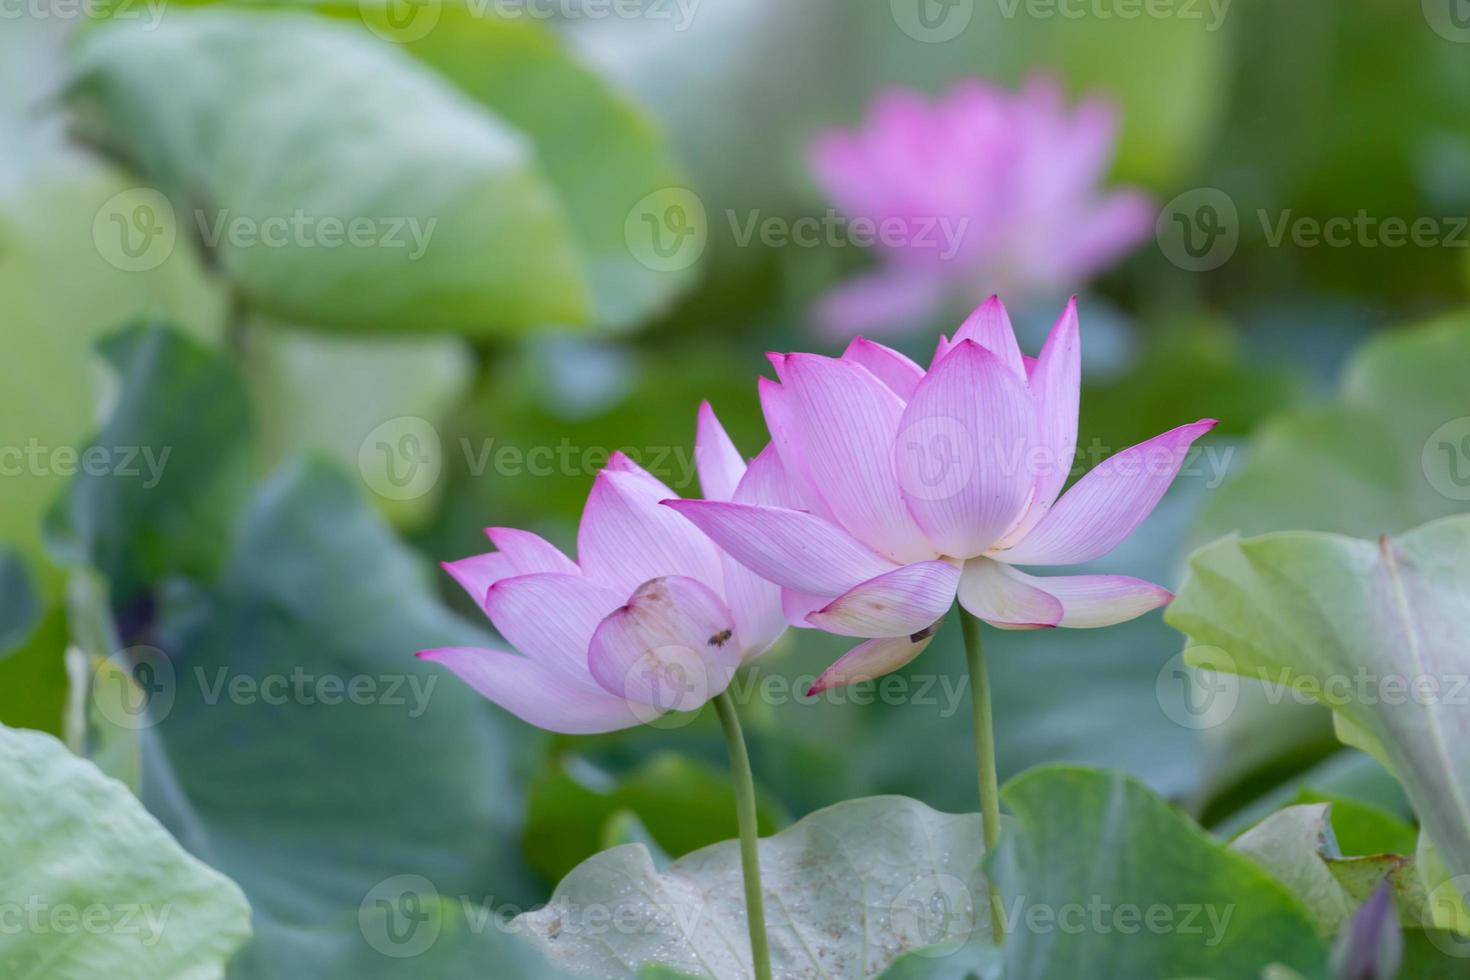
(1055, 385)
(988, 589)
(1106, 505)
(963, 450)
(477, 573)
(550, 618)
(754, 602)
(533, 693)
(779, 410)
(872, 659)
(1098, 600)
(719, 463)
(895, 370)
(896, 603)
(895, 299)
(626, 538)
(793, 549)
(671, 647)
(845, 424)
(530, 553)
(990, 327)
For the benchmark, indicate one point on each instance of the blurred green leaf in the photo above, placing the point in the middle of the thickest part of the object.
(335, 180)
(848, 889)
(20, 607)
(162, 913)
(33, 684)
(1083, 836)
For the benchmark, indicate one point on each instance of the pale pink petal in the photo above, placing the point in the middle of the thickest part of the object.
(719, 463)
(990, 591)
(1056, 384)
(887, 365)
(798, 606)
(1104, 507)
(779, 409)
(793, 549)
(1098, 600)
(626, 538)
(530, 553)
(896, 603)
(895, 299)
(1110, 229)
(550, 618)
(962, 453)
(990, 327)
(768, 483)
(534, 694)
(873, 659)
(671, 647)
(754, 602)
(477, 573)
(845, 424)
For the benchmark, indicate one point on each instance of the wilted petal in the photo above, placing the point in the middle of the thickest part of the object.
(873, 659)
(534, 694)
(895, 370)
(1106, 505)
(962, 451)
(1097, 600)
(719, 463)
(990, 327)
(791, 548)
(996, 594)
(845, 423)
(550, 618)
(672, 647)
(896, 603)
(626, 538)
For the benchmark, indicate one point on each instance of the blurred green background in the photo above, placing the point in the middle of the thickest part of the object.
(340, 419)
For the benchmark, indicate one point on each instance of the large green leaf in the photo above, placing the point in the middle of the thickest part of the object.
(96, 886)
(336, 180)
(1156, 896)
(847, 889)
(1375, 630)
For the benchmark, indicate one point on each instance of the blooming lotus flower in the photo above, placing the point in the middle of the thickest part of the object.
(650, 618)
(917, 487)
(995, 191)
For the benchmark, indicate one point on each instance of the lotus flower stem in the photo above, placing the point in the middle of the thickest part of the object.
(985, 756)
(750, 867)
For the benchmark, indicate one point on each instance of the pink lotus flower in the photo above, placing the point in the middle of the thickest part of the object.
(993, 191)
(650, 618)
(912, 488)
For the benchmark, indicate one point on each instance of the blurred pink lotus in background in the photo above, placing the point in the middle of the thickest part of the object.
(651, 618)
(981, 191)
(914, 488)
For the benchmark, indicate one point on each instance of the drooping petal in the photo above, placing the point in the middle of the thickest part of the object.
(626, 538)
(895, 370)
(672, 647)
(990, 327)
(719, 463)
(989, 590)
(1097, 600)
(1104, 507)
(550, 618)
(1056, 384)
(530, 553)
(845, 423)
(791, 548)
(963, 450)
(896, 603)
(873, 659)
(535, 694)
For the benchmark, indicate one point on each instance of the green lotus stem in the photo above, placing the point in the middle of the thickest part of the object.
(750, 865)
(985, 760)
